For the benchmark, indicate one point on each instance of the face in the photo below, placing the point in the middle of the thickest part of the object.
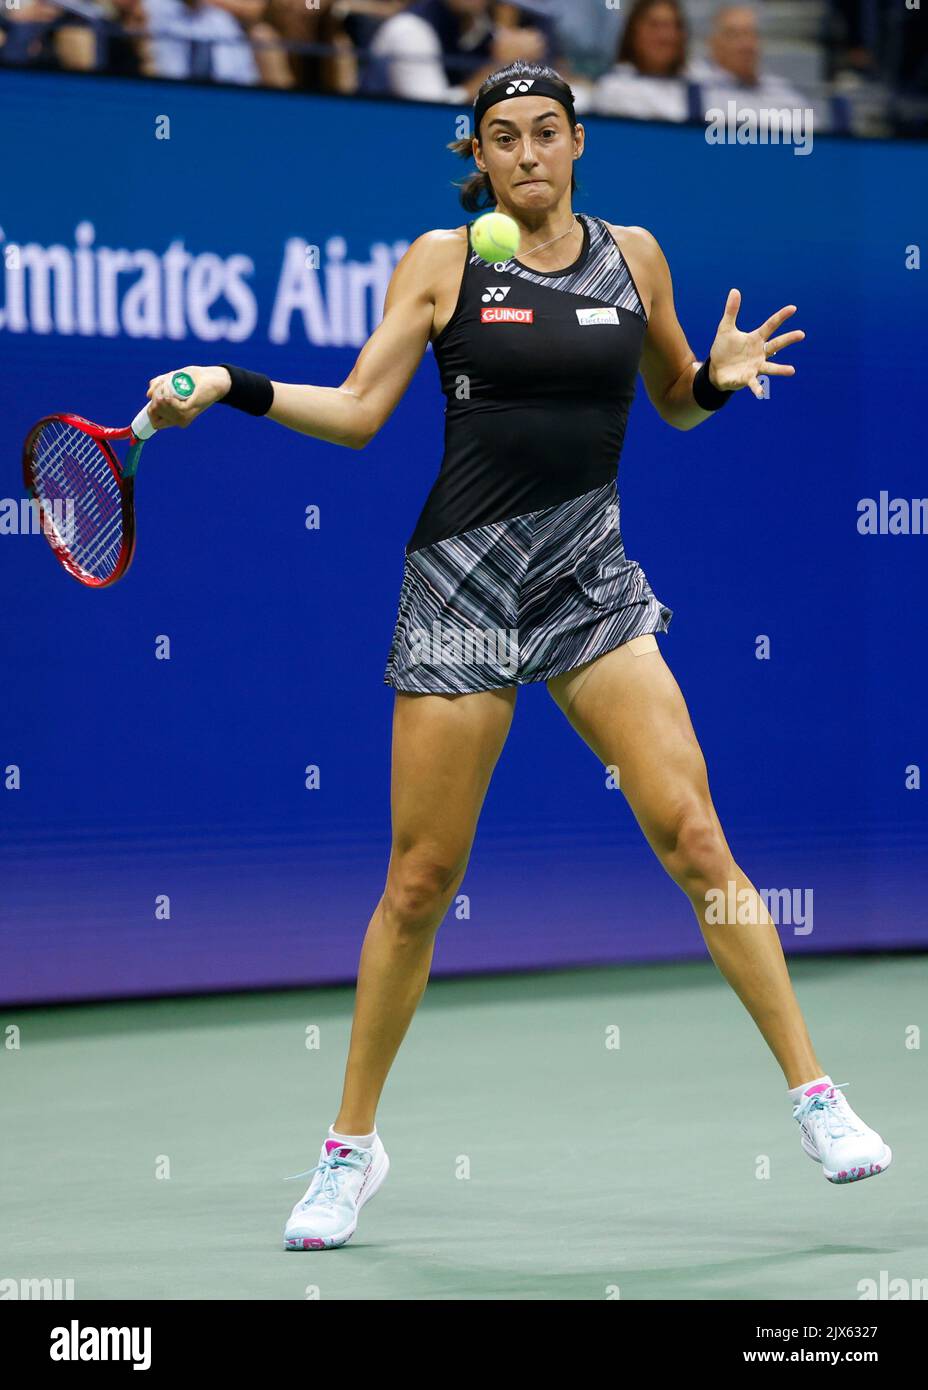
(527, 148)
(735, 43)
(658, 41)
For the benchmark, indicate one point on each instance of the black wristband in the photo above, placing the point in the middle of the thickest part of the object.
(707, 396)
(252, 392)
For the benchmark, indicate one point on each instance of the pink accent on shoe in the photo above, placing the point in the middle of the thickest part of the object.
(331, 1144)
(814, 1090)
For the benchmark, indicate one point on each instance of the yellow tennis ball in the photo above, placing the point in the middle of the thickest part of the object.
(495, 236)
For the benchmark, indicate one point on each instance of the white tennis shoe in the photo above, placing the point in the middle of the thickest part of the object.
(343, 1180)
(834, 1136)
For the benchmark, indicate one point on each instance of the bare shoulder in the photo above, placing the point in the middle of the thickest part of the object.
(638, 239)
(445, 236)
(432, 260)
(644, 258)
(439, 248)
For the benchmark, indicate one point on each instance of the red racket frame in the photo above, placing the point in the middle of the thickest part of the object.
(125, 478)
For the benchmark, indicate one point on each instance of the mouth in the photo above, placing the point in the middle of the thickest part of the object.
(527, 183)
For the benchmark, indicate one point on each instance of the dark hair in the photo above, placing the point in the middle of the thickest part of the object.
(628, 41)
(476, 191)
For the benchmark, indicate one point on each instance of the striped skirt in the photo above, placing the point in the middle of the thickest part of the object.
(520, 600)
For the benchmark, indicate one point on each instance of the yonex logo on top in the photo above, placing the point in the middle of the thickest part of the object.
(495, 292)
(523, 86)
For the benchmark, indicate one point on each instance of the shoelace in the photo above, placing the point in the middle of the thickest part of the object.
(328, 1188)
(832, 1105)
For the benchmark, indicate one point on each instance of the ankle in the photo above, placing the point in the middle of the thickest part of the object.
(798, 1087)
(362, 1127)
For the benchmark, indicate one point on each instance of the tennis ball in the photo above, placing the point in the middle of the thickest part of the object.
(495, 237)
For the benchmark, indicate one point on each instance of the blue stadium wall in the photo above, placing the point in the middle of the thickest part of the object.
(130, 783)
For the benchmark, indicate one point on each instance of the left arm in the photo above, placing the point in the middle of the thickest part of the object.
(668, 363)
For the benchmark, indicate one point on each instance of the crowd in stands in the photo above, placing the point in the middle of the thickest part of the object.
(861, 65)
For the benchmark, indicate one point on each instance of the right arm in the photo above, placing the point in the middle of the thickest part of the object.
(350, 414)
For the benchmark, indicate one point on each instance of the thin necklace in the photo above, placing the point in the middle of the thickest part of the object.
(532, 249)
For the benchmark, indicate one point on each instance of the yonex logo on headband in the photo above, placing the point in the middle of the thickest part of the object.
(520, 87)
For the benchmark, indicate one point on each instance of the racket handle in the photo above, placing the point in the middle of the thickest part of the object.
(182, 385)
(142, 426)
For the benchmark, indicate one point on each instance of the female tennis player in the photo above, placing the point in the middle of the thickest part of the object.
(520, 535)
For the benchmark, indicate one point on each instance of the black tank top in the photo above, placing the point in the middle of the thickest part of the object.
(539, 371)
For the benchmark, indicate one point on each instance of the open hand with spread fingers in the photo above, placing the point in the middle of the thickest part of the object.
(736, 359)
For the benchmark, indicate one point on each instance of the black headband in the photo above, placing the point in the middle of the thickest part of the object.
(521, 87)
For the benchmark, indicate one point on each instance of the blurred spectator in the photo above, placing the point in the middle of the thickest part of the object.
(733, 69)
(37, 32)
(532, 30)
(853, 36)
(270, 55)
(359, 22)
(192, 38)
(121, 43)
(650, 77)
(906, 69)
(587, 37)
(875, 51)
(874, 42)
(591, 25)
(441, 50)
(322, 56)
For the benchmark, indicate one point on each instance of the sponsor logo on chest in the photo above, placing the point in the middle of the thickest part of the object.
(509, 313)
(604, 315)
(506, 314)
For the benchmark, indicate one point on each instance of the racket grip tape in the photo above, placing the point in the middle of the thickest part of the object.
(182, 384)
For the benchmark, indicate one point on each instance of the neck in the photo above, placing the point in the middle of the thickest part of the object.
(559, 226)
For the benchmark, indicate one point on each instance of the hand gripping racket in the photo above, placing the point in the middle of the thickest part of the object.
(84, 494)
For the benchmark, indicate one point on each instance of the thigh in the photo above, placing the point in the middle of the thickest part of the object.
(444, 750)
(629, 709)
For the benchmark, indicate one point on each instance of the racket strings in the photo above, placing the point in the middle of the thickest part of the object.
(80, 497)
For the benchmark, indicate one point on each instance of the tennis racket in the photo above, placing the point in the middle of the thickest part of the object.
(86, 497)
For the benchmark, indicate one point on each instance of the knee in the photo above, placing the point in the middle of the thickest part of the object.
(419, 886)
(697, 857)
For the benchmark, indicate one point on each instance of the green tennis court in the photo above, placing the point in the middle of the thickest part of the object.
(145, 1144)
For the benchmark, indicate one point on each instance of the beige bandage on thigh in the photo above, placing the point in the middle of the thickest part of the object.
(647, 642)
